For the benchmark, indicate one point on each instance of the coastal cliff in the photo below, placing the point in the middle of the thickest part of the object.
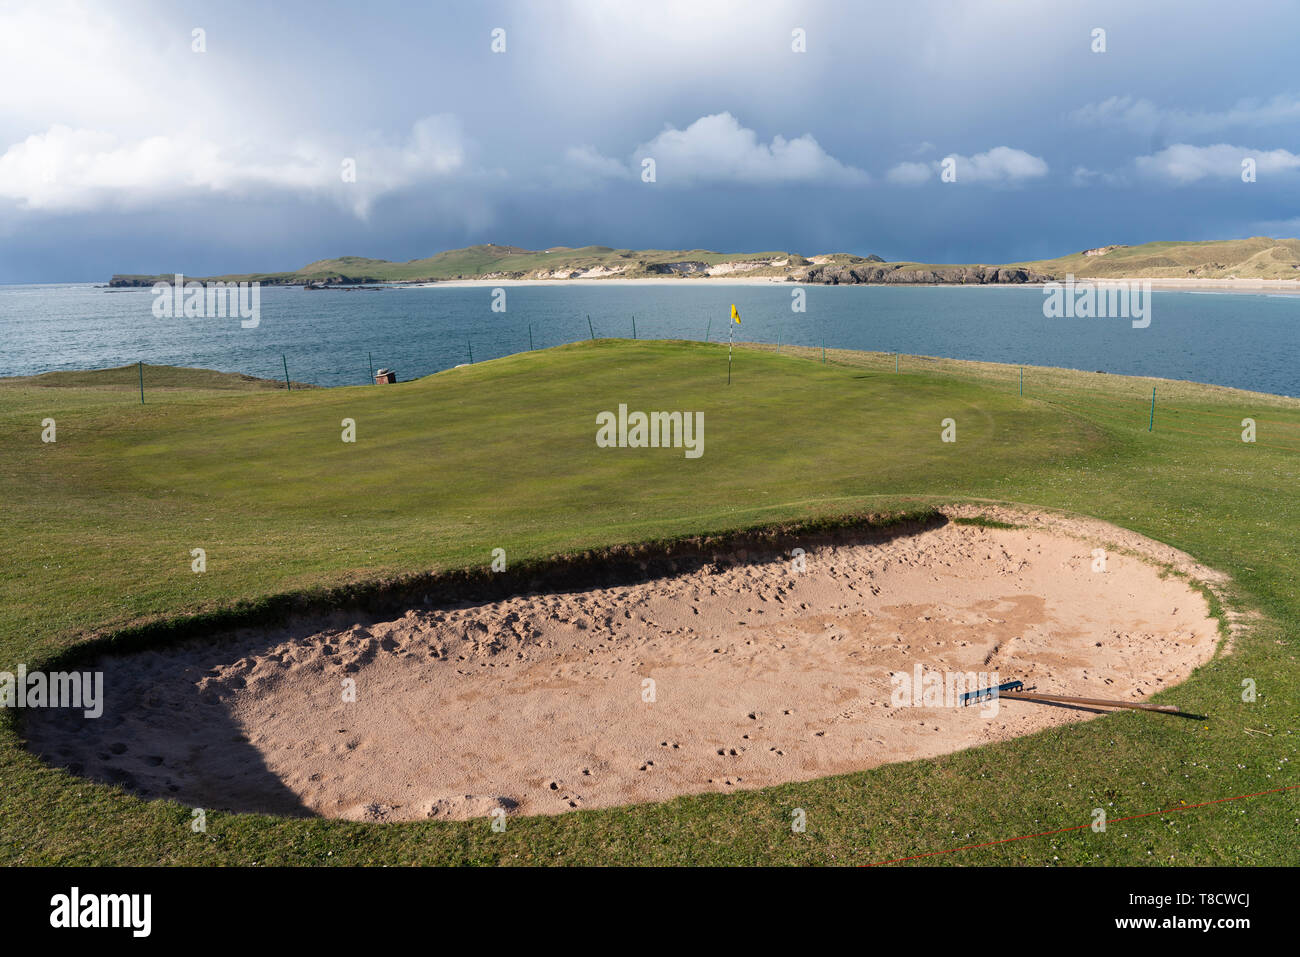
(904, 274)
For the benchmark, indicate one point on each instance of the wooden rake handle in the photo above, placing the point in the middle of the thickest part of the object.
(1095, 702)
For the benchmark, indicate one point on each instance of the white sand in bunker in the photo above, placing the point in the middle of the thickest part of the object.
(540, 704)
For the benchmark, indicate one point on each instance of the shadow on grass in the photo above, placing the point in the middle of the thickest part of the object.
(168, 729)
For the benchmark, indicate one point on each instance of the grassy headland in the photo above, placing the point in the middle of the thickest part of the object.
(1255, 258)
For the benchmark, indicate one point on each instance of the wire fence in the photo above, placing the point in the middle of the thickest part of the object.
(1145, 412)
(1140, 411)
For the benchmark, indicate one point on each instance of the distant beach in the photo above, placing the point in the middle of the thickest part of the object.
(1278, 286)
(648, 281)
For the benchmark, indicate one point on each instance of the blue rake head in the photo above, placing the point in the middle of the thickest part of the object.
(972, 697)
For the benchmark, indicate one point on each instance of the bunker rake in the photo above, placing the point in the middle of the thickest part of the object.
(1015, 691)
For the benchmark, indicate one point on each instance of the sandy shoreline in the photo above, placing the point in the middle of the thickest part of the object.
(1266, 286)
(648, 281)
(1243, 286)
(1289, 286)
(759, 673)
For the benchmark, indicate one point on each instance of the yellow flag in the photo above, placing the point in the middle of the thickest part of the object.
(735, 316)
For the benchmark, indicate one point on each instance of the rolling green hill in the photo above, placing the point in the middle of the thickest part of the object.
(510, 262)
(1255, 258)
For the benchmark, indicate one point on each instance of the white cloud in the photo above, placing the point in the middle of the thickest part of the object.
(1144, 116)
(112, 116)
(586, 163)
(909, 174)
(1126, 111)
(666, 46)
(65, 169)
(718, 149)
(1182, 163)
(1000, 165)
(1083, 176)
(86, 64)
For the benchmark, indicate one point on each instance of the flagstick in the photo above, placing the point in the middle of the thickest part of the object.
(729, 325)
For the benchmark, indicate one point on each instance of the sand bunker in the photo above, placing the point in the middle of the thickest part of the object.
(540, 704)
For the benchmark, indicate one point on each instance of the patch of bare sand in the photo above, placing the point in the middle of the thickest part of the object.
(538, 704)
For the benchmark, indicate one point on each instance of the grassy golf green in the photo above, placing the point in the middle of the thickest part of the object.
(99, 525)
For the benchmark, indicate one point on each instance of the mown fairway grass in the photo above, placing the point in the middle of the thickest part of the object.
(98, 529)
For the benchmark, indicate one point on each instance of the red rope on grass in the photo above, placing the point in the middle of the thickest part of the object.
(1108, 418)
(1079, 827)
(1223, 415)
(1138, 401)
(1262, 445)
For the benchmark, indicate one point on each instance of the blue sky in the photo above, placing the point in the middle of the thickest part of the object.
(122, 149)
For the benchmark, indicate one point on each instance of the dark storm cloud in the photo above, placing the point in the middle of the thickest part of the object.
(124, 150)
